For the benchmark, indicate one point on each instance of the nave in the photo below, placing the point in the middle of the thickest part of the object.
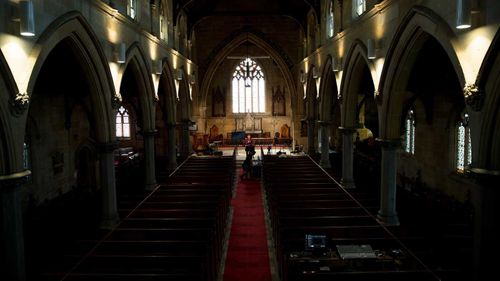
(180, 231)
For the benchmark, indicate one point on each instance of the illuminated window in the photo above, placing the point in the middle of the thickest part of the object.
(464, 147)
(409, 142)
(26, 156)
(358, 8)
(248, 87)
(132, 8)
(122, 123)
(329, 20)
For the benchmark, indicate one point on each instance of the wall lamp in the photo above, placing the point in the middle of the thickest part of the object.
(178, 74)
(121, 52)
(463, 14)
(336, 64)
(370, 49)
(315, 73)
(157, 67)
(192, 78)
(26, 18)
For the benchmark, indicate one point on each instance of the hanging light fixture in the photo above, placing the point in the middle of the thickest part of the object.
(370, 46)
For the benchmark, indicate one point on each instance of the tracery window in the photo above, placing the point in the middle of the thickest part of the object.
(329, 20)
(122, 123)
(409, 143)
(464, 147)
(248, 87)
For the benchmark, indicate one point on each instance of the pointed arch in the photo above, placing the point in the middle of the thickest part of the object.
(169, 96)
(184, 97)
(138, 62)
(8, 89)
(74, 27)
(255, 39)
(357, 59)
(327, 93)
(311, 94)
(419, 24)
(489, 83)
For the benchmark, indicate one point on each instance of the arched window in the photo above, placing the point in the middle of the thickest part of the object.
(409, 143)
(248, 87)
(163, 26)
(132, 8)
(122, 123)
(26, 156)
(358, 8)
(464, 147)
(329, 20)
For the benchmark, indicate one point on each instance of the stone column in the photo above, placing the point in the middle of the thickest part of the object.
(347, 157)
(310, 137)
(12, 218)
(387, 213)
(486, 224)
(185, 139)
(149, 159)
(108, 185)
(171, 149)
(325, 145)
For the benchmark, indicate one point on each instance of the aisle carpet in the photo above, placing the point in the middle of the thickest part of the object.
(247, 255)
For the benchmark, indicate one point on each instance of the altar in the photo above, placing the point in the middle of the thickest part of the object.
(248, 124)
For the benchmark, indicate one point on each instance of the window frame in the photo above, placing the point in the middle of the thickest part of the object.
(119, 126)
(257, 89)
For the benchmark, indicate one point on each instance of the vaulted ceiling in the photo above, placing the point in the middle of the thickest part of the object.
(197, 10)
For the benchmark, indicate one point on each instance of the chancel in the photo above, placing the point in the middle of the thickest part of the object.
(231, 140)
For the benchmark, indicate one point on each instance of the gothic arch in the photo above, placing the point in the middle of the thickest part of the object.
(138, 62)
(489, 85)
(8, 89)
(231, 46)
(327, 93)
(356, 59)
(311, 94)
(184, 97)
(86, 45)
(169, 96)
(418, 25)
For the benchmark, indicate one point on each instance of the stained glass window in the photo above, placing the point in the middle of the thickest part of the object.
(358, 8)
(464, 147)
(410, 132)
(122, 123)
(26, 156)
(248, 87)
(132, 8)
(329, 20)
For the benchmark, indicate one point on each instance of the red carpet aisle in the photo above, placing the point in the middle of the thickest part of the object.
(247, 255)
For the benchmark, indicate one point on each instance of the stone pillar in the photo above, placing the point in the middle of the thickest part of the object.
(108, 185)
(171, 148)
(185, 139)
(310, 137)
(325, 145)
(149, 159)
(387, 213)
(486, 224)
(12, 218)
(347, 157)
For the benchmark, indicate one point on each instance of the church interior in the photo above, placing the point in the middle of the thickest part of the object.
(370, 126)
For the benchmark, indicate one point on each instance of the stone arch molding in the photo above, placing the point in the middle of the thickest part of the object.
(326, 98)
(74, 27)
(356, 58)
(419, 24)
(170, 95)
(136, 58)
(233, 44)
(8, 90)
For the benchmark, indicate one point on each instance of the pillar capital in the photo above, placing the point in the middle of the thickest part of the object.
(105, 147)
(389, 143)
(14, 180)
(323, 123)
(347, 130)
(149, 133)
